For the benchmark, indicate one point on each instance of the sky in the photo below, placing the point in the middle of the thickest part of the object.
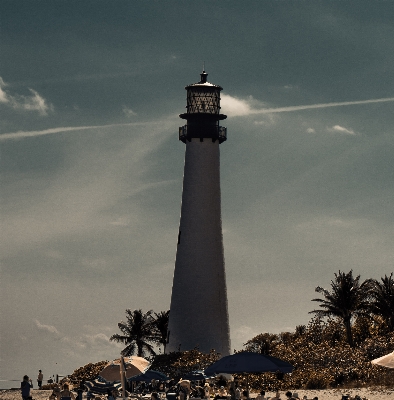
(91, 164)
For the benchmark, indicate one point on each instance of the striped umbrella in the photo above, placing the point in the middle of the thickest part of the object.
(385, 361)
(132, 366)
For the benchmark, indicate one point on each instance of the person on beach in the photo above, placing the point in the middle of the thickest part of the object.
(111, 394)
(40, 377)
(154, 396)
(245, 395)
(261, 396)
(66, 393)
(55, 392)
(277, 395)
(26, 385)
(221, 394)
(238, 393)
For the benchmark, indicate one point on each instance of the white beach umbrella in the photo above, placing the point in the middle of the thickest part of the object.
(132, 365)
(385, 361)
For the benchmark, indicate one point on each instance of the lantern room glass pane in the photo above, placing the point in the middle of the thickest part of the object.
(203, 101)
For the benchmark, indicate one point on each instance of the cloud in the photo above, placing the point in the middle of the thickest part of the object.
(128, 111)
(3, 94)
(310, 130)
(121, 221)
(341, 129)
(34, 102)
(88, 344)
(235, 107)
(95, 264)
(48, 328)
(26, 134)
(243, 331)
(97, 339)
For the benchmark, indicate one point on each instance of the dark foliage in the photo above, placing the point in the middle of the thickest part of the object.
(160, 328)
(347, 299)
(382, 299)
(178, 364)
(138, 334)
(323, 358)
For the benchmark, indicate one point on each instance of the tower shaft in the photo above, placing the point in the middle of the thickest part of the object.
(199, 315)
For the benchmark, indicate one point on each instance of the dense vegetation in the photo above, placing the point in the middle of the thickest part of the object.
(354, 325)
(322, 356)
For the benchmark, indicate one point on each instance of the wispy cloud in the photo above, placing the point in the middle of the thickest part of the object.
(235, 106)
(48, 328)
(3, 94)
(341, 129)
(323, 105)
(128, 111)
(34, 102)
(26, 134)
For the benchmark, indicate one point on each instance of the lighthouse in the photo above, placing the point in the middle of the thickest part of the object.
(198, 312)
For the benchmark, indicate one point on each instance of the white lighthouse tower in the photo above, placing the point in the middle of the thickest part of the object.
(198, 313)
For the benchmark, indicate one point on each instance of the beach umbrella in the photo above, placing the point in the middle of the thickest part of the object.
(248, 362)
(196, 376)
(148, 376)
(132, 366)
(385, 361)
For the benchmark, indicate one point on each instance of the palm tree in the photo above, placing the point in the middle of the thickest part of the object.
(138, 333)
(382, 299)
(347, 299)
(160, 325)
(264, 343)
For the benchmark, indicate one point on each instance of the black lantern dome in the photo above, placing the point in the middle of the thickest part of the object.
(203, 112)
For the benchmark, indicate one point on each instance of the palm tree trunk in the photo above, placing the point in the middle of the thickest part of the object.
(140, 352)
(348, 328)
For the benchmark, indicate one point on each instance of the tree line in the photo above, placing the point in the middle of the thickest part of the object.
(348, 299)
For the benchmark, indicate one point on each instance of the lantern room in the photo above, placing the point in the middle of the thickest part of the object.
(203, 112)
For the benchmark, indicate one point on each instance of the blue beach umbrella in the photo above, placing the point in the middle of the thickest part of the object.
(248, 362)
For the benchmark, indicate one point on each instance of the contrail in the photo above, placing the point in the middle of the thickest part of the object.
(323, 105)
(26, 134)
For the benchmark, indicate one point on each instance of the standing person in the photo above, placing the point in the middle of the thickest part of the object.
(206, 391)
(66, 393)
(238, 393)
(26, 385)
(221, 394)
(40, 377)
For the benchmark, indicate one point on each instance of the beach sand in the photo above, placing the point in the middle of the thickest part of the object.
(324, 394)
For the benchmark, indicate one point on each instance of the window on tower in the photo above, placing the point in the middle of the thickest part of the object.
(203, 100)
